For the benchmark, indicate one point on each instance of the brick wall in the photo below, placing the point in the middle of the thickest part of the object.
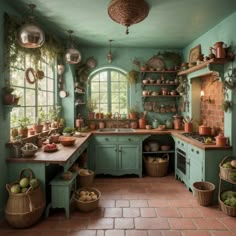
(211, 112)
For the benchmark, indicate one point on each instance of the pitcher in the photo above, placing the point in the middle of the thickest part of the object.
(220, 51)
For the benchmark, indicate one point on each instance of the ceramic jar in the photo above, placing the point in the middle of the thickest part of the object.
(221, 140)
(178, 121)
(142, 123)
(155, 124)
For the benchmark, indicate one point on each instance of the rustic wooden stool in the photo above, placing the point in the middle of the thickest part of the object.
(61, 190)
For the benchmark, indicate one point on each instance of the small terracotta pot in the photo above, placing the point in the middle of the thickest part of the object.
(221, 140)
(204, 130)
(188, 127)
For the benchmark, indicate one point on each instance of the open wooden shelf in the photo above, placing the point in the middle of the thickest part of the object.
(216, 61)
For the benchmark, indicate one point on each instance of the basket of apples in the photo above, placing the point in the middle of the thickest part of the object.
(50, 147)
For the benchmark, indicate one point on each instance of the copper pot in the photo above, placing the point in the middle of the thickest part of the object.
(221, 140)
(204, 130)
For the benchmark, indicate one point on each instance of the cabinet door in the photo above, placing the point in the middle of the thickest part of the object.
(105, 159)
(196, 165)
(128, 158)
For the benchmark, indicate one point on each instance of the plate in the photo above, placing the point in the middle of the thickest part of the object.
(50, 150)
(156, 63)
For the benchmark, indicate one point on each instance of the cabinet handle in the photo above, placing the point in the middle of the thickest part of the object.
(129, 139)
(115, 150)
(106, 139)
(178, 141)
(182, 144)
(197, 152)
(192, 150)
(119, 150)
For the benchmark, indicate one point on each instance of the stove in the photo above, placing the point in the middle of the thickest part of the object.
(200, 138)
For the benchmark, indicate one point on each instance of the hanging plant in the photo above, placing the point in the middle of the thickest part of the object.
(132, 77)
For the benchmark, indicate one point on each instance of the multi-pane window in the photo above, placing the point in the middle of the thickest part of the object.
(35, 96)
(109, 88)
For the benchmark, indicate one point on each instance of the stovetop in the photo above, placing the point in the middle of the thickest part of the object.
(205, 139)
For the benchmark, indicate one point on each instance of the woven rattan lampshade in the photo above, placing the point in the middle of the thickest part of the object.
(128, 12)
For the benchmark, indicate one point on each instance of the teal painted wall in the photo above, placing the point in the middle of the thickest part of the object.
(225, 32)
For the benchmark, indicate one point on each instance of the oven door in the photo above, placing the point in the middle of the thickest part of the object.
(182, 165)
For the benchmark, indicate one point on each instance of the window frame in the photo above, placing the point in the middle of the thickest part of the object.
(108, 70)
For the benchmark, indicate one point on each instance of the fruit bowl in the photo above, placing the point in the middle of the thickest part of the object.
(50, 148)
(84, 204)
(67, 141)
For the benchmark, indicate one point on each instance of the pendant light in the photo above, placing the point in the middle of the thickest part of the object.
(128, 12)
(30, 35)
(72, 55)
(109, 54)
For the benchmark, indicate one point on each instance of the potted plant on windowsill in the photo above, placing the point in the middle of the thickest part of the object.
(54, 116)
(133, 112)
(9, 97)
(23, 123)
(91, 106)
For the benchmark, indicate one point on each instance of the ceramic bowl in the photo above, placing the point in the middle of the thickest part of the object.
(165, 147)
(148, 127)
(145, 81)
(67, 141)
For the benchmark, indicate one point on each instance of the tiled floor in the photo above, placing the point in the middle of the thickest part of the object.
(132, 206)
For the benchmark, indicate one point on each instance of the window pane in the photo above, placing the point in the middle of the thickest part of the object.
(50, 85)
(30, 97)
(109, 88)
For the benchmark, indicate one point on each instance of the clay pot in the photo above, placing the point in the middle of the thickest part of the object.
(188, 127)
(221, 140)
(204, 130)
(142, 123)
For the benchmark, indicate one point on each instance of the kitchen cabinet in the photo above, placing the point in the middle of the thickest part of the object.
(116, 155)
(159, 91)
(193, 164)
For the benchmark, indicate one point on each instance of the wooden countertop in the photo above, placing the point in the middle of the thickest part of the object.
(59, 157)
(65, 153)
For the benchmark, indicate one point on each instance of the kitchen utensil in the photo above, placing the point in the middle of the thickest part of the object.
(204, 130)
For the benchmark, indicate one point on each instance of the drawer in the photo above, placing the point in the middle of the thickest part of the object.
(105, 139)
(128, 139)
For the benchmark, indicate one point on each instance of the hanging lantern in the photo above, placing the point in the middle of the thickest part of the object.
(72, 55)
(109, 55)
(30, 35)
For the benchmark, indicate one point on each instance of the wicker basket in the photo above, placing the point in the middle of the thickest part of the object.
(85, 180)
(204, 191)
(228, 210)
(24, 209)
(86, 206)
(157, 169)
(226, 172)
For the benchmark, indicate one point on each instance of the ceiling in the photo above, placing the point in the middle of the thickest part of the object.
(169, 24)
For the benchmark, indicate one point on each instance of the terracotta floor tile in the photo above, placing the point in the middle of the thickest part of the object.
(196, 233)
(154, 233)
(113, 212)
(180, 203)
(122, 203)
(131, 212)
(190, 212)
(177, 223)
(170, 233)
(209, 224)
(168, 212)
(223, 233)
(115, 233)
(103, 223)
(229, 222)
(148, 212)
(83, 233)
(151, 223)
(158, 203)
(106, 203)
(138, 203)
(136, 233)
(99, 212)
(211, 211)
(124, 223)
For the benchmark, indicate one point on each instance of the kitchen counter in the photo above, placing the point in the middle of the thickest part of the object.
(62, 156)
(174, 133)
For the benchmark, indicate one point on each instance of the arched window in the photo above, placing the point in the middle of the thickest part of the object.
(109, 89)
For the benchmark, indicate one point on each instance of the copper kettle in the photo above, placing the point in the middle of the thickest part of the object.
(220, 50)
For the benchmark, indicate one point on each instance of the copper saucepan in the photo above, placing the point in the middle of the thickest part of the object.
(204, 130)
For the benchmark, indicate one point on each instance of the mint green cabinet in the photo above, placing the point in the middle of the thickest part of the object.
(116, 154)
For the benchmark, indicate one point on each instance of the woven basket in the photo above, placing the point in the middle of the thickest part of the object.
(86, 206)
(228, 210)
(24, 209)
(158, 169)
(85, 180)
(204, 192)
(226, 172)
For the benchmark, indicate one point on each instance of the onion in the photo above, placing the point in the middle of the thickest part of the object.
(233, 163)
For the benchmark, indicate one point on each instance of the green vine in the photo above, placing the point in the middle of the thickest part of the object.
(52, 48)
